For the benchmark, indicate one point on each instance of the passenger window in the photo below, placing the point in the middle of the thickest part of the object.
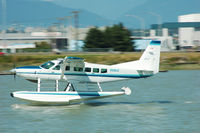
(87, 69)
(96, 70)
(56, 67)
(103, 70)
(78, 69)
(67, 68)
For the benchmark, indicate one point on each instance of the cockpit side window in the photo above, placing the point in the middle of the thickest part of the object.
(61, 62)
(56, 67)
(47, 65)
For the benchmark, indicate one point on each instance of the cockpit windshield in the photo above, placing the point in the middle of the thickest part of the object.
(56, 67)
(47, 65)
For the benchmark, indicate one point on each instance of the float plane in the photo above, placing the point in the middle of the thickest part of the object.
(74, 70)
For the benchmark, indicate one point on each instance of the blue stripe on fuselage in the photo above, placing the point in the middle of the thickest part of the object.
(94, 75)
(155, 42)
(109, 75)
(28, 67)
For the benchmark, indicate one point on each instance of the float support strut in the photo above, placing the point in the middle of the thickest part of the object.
(99, 86)
(56, 85)
(38, 88)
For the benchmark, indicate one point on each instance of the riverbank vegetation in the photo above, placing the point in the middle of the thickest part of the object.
(169, 61)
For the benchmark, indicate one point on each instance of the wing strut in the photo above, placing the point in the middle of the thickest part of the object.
(99, 86)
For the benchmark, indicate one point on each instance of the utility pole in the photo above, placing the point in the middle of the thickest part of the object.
(61, 24)
(159, 21)
(142, 24)
(76, 25)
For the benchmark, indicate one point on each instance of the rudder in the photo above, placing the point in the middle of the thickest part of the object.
(150, 59)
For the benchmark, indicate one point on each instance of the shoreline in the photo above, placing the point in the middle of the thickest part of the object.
(168, 61)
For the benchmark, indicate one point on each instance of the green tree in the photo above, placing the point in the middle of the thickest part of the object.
(120, 38)
(94, 38)
(108, 38)
(42, 45)
(116, 37)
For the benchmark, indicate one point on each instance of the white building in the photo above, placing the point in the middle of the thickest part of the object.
(184, 33)
(189, 36)
(189, 18)
(15, 41)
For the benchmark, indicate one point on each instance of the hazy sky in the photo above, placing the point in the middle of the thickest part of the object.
(110, 9)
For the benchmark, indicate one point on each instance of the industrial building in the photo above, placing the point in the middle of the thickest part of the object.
(185, 33)
(13, 41)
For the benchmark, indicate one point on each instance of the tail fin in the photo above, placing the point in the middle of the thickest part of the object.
(150, 59)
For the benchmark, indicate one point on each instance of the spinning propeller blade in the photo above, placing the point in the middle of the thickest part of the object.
(13, 70)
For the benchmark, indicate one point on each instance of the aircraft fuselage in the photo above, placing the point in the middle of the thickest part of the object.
(89, 73)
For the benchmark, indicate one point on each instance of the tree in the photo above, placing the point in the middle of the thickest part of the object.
(116, 37)
(94, 38)
(120, 38)
(42, 45)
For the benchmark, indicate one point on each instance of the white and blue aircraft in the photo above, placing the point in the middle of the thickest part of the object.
(74, 70)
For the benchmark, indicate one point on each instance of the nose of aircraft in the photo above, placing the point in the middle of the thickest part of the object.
(13, 70)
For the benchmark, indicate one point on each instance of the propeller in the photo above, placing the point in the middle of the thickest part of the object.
(14, 74)
(13, 71)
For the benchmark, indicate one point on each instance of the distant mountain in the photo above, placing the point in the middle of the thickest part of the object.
(43, 13)
(169, 10)
(30, 12)
(110, 9)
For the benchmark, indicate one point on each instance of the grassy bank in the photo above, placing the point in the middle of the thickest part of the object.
(169, 61)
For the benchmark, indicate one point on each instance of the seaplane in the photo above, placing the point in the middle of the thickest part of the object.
(73, 70)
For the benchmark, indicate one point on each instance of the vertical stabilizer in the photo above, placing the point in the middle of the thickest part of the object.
(150, 59)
